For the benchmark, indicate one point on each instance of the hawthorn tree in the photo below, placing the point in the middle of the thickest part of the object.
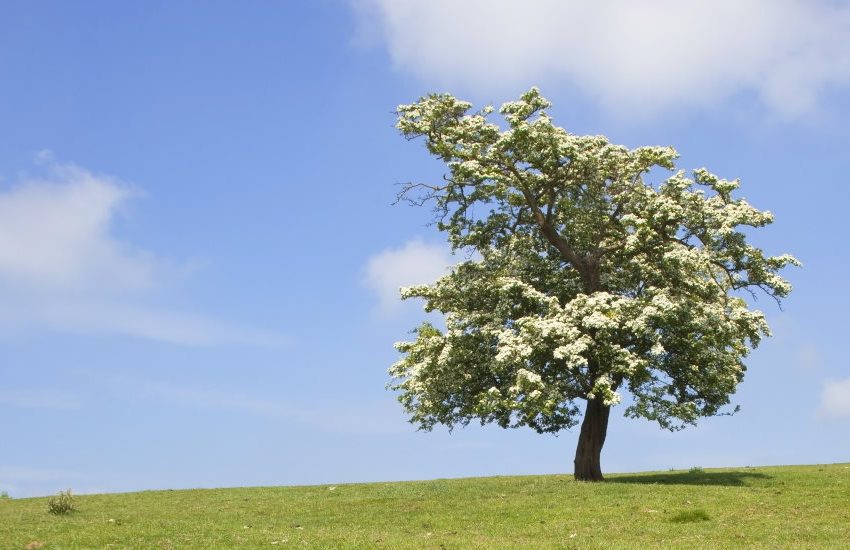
(589, 280)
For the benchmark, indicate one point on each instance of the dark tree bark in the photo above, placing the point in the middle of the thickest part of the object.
(590, 441)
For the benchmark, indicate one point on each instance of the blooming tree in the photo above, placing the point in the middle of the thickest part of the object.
(589, 280)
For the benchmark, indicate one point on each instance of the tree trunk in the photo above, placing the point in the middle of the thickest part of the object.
(590, 441)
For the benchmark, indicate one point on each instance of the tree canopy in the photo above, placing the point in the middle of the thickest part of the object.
(593, 277)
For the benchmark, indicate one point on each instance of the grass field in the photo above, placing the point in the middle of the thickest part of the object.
(770, 507)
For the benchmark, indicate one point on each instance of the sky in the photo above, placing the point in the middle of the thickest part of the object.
(199, 254)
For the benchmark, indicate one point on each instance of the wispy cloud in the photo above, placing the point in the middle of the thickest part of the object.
(808, 356)
(414, 263)
(357, 418)
(635, 58)
(26, 481)
(229, 399)
(835, 399)
(21, 481)
(42, 398)
(62, 268)
(92, 315)
(19, 473)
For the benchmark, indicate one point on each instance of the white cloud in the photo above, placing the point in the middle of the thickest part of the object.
(635, 58)
(62, 268)
(835, 399)
(55, 234)
(414, 263)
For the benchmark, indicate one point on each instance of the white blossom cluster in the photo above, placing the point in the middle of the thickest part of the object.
(592, 280)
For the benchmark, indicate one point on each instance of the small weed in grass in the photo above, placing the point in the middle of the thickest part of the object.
(690, 516)
(61, 504)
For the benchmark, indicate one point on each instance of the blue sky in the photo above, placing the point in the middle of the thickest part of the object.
(199, 255)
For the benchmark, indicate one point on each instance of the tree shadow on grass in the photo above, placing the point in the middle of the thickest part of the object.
(733, 478)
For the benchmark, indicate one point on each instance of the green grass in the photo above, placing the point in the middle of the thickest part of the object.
(688, 516)
(771, 507)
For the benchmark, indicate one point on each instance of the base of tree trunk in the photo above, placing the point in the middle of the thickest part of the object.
(594, 427)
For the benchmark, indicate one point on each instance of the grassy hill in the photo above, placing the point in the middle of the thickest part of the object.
(771, 507)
